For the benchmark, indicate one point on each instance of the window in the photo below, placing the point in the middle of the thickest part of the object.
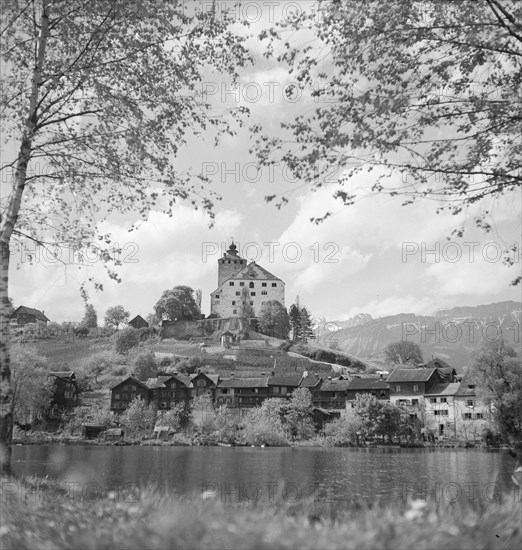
(415, 387)
(163, 404)
(283, 390)
(233, 302)
(241, 283)
(173, 394)
(238, 293)
(263, 284)
(467, 416)
(116, 396)
(383, 393)
(234, 311)
(251, 285)
(274, 284)
(397, 388)
(225, 390)
(216, 301)
(252, 294)
(441, 413)
(201, 383)
(264, 293)
(231, 282)
(480, 416)
(275, 389)
(469, 403)
(443, 400)
(216, 296)
(414, 401)
(433, 399)
(229, 261)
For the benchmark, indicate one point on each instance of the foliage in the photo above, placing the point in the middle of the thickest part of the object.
(263, 425)
(175, 418)
(139, 416)
(426, 91)
(273, 319)
(32, 384)
(403, 352)
(177, 303)
(305, 328)
(145, 365)
(126, 339)
(297, 415)
(115, 316)
(294, 316)
(496, 372)
(90, 319)
(343, 432)
(100, 363)
(379, 418)
(202, 414)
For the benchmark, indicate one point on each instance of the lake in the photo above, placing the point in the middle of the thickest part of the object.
(244, 474)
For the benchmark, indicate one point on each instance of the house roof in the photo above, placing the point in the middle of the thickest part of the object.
(137, 318)
(285, 380)
(310, 381)
(64, 374)
(213, 377)
(436, 363)
(368, 384)
(444, 389)
(131, 379)
(40, 315)
(410, 375)
(465, 390)
(335, 385)
(244, 383)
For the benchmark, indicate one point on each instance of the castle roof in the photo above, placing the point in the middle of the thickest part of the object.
(254, 271)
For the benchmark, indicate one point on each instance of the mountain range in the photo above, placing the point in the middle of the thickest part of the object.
(450, 334)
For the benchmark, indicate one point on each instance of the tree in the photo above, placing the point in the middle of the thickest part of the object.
(98, 101)
(145, 365)
(90, 319)
(32, 384)
(298, 414)
(403, 353)
(139, 416)
(273, 319)
(429, 91)
(496, 372)
(115, 316)
(127, 339)
(305, 332)
(295, 321)
(177, 303)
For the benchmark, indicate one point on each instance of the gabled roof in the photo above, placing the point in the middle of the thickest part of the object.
(254, 271)
(436, 363)
(244, 383)
(214, 378)
(137, 318)
(368, 384)
(444, 389)
(64, 374)
(285, 380)
(335, 385)
(131, 379)
(410, 375)
(40, 315)
(310, 381)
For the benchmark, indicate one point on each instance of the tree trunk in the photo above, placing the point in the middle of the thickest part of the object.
(8, 225)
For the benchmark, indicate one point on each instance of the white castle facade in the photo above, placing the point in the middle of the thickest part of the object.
(239, 283)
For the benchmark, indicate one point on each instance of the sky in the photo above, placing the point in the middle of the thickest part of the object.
(375, 257)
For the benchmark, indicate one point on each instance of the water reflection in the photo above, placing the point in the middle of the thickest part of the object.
(236, 474)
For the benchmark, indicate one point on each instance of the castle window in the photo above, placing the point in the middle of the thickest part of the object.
(264, 292)
(231, 283)
(233, 302)
(234, 311)
(241, 283)
(229, 261)
(252, 294)
(216, 296)
(238, 293)
(251, 285)
(263, 284)
(480, 416)
(274, 284)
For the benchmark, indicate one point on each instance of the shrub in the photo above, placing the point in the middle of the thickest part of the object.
(127, 339)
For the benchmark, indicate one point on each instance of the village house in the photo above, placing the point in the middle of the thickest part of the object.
(168, 391)
(373, 386)
(330, 395)
(242, 392)
(239, 282)
(204, 384)
(124, 392)
(65, 392)
(23, 315)
(283, 385)
(138, 322)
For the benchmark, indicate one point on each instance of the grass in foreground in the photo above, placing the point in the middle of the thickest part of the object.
(51, 519)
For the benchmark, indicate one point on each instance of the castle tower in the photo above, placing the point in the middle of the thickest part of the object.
(230, 264)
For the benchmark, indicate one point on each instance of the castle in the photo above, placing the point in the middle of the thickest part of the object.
(240, 284)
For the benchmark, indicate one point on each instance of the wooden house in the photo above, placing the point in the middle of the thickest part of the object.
(242, 392)
(65, 392)
(373, 386)
(331, 395)
(283, 385)
(168, 391)
(138, 322)
(124, 392)
(23, 315)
